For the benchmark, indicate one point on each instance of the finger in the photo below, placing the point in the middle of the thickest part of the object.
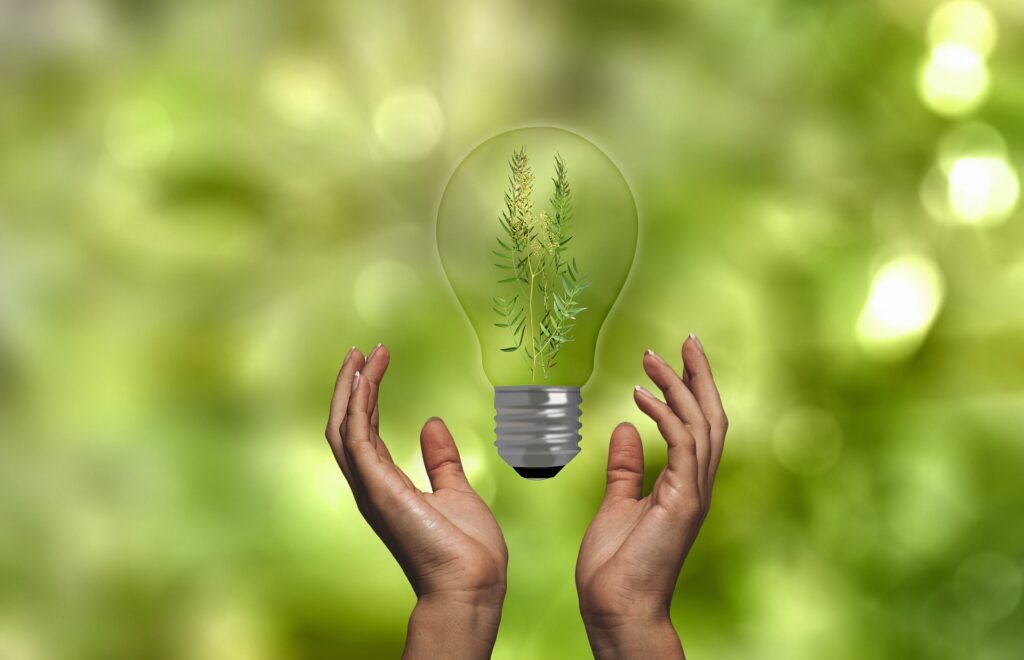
(682, 448)
(373, 372)
(361, 452)
(379, 487)
(441, 457)
(339, 403)
(702, 384)
(685, 406)
(677, 395)
(625, 464)
(342, 390)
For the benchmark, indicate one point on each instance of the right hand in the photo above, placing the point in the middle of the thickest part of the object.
(635, 546)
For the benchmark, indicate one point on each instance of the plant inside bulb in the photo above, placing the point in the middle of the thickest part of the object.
(533, 258)
(512, 246)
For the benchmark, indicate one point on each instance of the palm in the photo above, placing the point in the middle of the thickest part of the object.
(602, 549)
(446, 540)
(471, 536)
(611, 528)
(624, 553)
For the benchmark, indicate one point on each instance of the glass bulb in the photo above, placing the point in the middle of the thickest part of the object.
(536, 230)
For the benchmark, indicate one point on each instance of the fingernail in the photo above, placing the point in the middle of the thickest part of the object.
(347, 356)
(697, 341)
(655, 356)
(373, 352)
(355, 382)
(637, 388)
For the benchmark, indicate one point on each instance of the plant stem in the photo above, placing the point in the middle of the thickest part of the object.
(533, 366)
(537, 241)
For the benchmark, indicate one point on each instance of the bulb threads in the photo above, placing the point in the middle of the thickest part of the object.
(537, 427)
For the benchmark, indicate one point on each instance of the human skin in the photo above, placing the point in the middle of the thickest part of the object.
(453, 553)
(635, 546)
(446, 541)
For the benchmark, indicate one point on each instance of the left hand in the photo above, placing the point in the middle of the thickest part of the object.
(446, 541)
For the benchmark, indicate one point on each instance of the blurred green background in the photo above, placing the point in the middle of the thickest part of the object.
(204, 204)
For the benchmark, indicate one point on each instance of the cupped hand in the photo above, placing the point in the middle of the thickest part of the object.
(635, 546)
(446, 541)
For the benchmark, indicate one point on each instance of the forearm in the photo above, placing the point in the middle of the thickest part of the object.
(634, 639)
(452, 628)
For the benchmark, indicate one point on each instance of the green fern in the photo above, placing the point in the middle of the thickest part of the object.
(532, 255)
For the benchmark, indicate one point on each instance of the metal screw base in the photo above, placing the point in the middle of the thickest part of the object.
(537, 427)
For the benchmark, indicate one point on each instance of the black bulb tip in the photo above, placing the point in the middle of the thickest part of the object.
(538, 473)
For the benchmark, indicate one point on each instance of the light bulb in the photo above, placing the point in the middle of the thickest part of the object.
(536, 230)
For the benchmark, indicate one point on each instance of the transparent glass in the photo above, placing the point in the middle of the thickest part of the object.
(604, 234)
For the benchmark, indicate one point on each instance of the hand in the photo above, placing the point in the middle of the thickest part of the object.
(446, 541)
(635, 546)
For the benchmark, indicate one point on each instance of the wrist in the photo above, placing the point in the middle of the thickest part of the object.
(633, 637)
(462, 625)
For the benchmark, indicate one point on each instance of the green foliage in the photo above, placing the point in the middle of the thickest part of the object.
(196, 224)
(532, 256)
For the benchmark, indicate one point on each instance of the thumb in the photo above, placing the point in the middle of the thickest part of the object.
(441, 457)
(625, 464)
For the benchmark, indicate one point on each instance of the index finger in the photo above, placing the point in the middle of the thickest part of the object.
(373, 371)
(702, 383)
(339, 400)
(368, 467)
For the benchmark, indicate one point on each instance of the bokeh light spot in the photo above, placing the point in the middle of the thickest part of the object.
(954, 80)
(17, 642)
(301, 91)
(982, 189)
(904, 298)
(226, 627)
(139, 134)
(988, 586)
(963, 22)
(973, 138)
(380, 289)
(807, 440)
(408, 124)
(973, 181)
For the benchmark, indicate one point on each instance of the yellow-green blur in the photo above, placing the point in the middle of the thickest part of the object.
(203, 205)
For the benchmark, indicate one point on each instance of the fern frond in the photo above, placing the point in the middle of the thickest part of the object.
(532, 251)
